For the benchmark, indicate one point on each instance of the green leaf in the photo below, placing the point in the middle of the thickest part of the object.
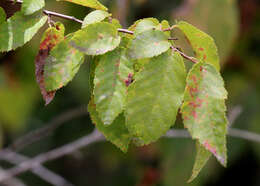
(145, 24)
(202, 44)
(95, 17)
(148, 44)
(19, 29)
(150, 19)
(113, 74)
(204, 109)
(202, 157)
(154, 97)
(61, 65)
(31, 6)
(88, 3)
(164, 25)
(96, 39)
(2, 15)
(116, 133)
(51, 37)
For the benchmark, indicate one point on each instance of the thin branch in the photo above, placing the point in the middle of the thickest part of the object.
(50, 13)
(11, 181)
(192, 59)
(125, 31)
(48, 129)
(42, 172)
(51, 155)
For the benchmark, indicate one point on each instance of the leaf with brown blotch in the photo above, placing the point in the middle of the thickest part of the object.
(51, 37)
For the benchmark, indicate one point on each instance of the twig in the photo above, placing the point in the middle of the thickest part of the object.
(192, 59)
(233, 114)
(39, 170)
(50, 13)
(48, 129)
(51, 155)
(11, 181)
(125, 31)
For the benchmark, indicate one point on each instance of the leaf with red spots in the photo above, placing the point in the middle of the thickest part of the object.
(202, 157)
(153, 99)
(112, 77)
(202, 44)
(19, 29)
(88, 3)
(96, 39)
(61, 65)
(116, 133)
(204, 109)
(51, 37)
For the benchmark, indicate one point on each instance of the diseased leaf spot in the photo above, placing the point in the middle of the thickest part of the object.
(129, 79)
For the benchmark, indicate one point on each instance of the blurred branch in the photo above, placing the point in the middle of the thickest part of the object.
(48, 129)
(11, 181)
(122, 11)
(39, 170)
(95, 136)
(233, 114)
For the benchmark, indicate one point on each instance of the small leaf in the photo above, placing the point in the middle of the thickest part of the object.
(61, 65)
(19, 29)
(95, 17)
(31, 6)
(2, 15)
(116, 133)
(155, 96)
(202, 44)
(96, 39)
(164, 25)
(202, 157)
(112, 77)
(203, 110)
(51, 37)
(148, 44)
(151, 19)
(88, 3)
(145, 24)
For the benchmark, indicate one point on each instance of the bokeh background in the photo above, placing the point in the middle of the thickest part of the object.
(235, 26)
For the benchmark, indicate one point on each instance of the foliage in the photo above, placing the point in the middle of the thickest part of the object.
(138, 77)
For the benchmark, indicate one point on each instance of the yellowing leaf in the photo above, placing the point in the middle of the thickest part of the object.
(88, 3)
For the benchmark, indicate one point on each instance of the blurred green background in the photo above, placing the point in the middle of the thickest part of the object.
(235, 25)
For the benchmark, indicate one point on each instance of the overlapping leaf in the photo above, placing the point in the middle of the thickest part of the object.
(204, 109)
(2, 15)
(148, 44)
(95, 17)
(51, 37)
(202, 157)
(96, 39)
(145, 24)
(117, 132)
(88, 3)
(61, 65)
(154, 97)
(19, 29)
(202, 44)
(31, 6)
(113, 74)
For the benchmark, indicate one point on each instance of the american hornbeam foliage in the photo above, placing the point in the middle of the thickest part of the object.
(138, 78)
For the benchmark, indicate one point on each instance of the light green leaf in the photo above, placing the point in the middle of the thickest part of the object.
(61, 65)
(148, 44)
(2, 15)
(154, 97)
(164, 25)
(95, 17)
(202, 44)
(31, 6)
(204, 109)
(150, 19)
(202, 158)
(88, 3)
(113, 75)
(116, 133)
(96, 39)
(145, 24)
(19, 29)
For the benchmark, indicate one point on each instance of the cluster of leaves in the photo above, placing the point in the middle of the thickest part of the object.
(138, 78)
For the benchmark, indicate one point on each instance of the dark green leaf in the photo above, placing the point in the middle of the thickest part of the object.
(19, 29)
(204, 109)
(61, 65)
(2, 15)
(31, 6)
(202, 44)
(96, 39)
(116, 133)
(155, 96)
(148, 44)
(95, 17)
(113, 74)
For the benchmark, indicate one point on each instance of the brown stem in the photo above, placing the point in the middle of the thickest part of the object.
(192, 59)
